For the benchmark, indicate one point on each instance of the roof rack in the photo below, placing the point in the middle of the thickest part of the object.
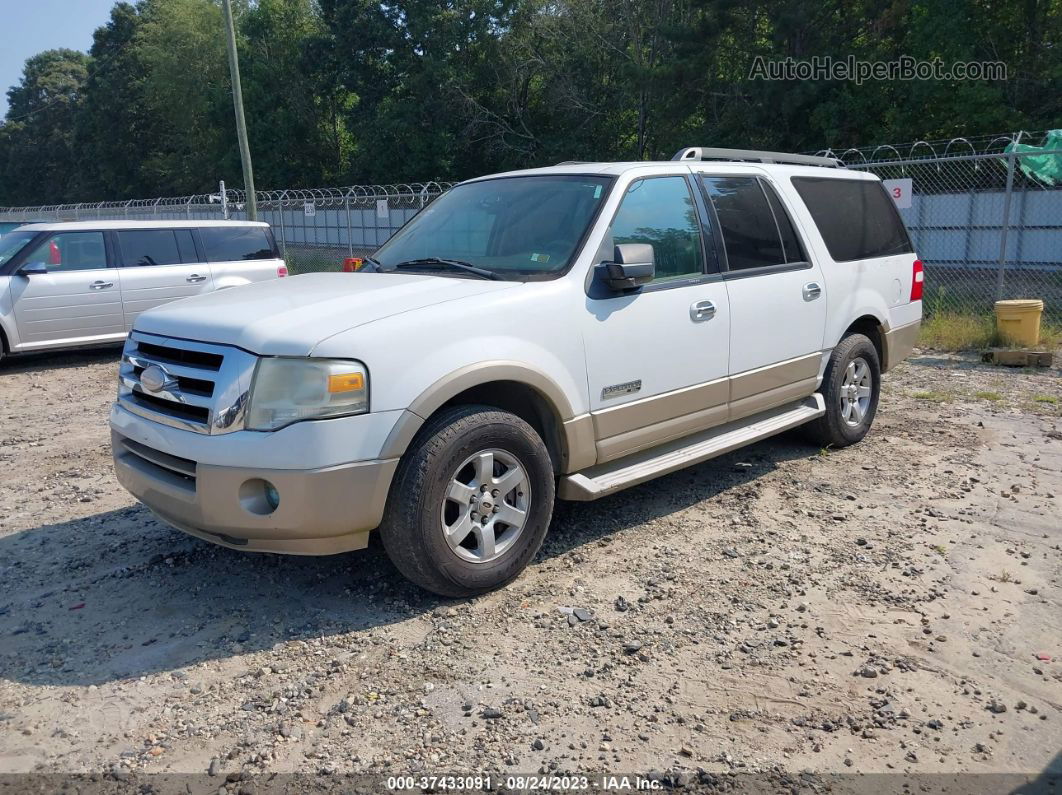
(709, 153)
(573, 162)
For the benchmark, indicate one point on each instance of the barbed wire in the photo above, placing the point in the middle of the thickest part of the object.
(937, 149)
(353, 195)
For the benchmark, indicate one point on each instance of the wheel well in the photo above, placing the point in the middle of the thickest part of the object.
(3, 342)
(869, 327)
(526, 403)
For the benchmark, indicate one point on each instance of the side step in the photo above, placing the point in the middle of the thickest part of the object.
(604, 479)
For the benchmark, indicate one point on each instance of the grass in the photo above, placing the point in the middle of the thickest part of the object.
(988, 395)
(933, 396)
(958, 331)
(1045, 399)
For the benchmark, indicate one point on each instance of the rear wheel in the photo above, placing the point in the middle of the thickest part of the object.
(850, 388)
(470, 503)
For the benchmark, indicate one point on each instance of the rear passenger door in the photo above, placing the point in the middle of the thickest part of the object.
(158, 266)
(777, 295)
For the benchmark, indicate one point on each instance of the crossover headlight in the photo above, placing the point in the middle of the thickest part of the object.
(289, 390)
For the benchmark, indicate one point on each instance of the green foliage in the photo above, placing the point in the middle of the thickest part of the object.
(340, 91)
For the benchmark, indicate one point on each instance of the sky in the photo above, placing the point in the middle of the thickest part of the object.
(29, 26)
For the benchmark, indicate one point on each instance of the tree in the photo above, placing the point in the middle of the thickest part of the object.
(38, 159)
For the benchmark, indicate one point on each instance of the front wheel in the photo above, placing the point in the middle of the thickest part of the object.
(470, 503)
(850, 388)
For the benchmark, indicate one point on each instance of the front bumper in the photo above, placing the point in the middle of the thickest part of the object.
(320, 511)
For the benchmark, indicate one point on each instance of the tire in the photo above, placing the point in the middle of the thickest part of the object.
(849, 415)
(438, 489)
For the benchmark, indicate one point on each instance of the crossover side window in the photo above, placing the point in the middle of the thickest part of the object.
(660, 211)
(757, 231)
(236, 244)
(156, 247)
(71, 251)
(856, 217)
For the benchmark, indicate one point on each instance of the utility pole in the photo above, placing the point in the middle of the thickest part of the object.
(237, 103)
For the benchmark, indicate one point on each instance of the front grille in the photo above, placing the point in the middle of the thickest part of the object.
(204, 388)
(167, 354)
(194, 413)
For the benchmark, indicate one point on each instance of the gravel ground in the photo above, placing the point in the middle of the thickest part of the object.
(890, 607)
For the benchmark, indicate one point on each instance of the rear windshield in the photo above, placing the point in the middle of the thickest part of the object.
(235, 243)
(12, 243)
(857, 218)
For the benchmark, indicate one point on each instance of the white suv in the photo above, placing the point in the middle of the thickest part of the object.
(65, 285)
(557, 332)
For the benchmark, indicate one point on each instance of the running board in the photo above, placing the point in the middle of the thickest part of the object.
(604, 479)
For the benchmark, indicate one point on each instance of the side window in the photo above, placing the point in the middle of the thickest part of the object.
(660, 211)
(856, 218)
(791, 247)
(148, 247)
(751, 233)
(236, 243)
(186, 246)
(71, 251)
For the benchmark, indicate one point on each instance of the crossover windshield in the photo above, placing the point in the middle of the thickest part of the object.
(515, 227)
(12, 243)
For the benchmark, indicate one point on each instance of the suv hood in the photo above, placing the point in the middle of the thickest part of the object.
(289, 317)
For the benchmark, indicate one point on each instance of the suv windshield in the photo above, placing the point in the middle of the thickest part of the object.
(513, 226)
(12, 243)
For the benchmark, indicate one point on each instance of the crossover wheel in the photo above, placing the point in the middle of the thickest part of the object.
(850, 389)
(470, 503)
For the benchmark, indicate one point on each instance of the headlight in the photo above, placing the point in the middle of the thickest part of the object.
(288, 390)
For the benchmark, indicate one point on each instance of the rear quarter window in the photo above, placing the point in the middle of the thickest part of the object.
(856, 218)
(234, 244)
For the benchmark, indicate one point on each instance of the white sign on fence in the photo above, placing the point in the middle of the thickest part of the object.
(381, 209)
(900, 190)
(309, 209)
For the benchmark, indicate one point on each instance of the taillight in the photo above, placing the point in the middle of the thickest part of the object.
(282, 271)
(918, 278)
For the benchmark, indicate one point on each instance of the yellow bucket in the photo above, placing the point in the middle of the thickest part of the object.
(1018, 321)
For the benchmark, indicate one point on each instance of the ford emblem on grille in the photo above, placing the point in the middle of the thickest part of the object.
(155, 379)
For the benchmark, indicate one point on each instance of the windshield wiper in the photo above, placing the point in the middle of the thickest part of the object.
(454, 264)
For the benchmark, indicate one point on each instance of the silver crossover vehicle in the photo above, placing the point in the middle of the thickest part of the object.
(65, 285)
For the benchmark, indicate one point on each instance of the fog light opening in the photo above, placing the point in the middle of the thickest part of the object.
(259, 497)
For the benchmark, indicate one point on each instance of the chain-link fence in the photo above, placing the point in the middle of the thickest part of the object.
(986, 220)
(317, 229)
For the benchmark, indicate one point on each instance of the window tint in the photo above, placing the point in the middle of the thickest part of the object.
(71, 251)
(857, 218)
(660, 211)
(234, 243)
(186, 246)
(148, 247)
(791, 247)
(750, 232)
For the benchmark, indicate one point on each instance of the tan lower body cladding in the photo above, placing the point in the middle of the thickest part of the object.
(641, 424)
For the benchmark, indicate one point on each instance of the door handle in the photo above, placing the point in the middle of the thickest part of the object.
(100, 285)
(195, 278)
(811, 291)
(702, 310)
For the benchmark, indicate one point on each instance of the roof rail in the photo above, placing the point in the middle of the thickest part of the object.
(574, 162)
(710, 153)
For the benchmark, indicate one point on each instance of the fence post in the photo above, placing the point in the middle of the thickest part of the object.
(350, 237)
(1005, 224)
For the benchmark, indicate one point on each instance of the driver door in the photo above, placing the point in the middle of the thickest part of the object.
(657, 357)
(77, 301)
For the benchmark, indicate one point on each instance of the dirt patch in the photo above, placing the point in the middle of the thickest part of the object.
(874, 609)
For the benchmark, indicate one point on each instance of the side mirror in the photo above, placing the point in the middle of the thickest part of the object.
(633, 264)
(33, 269)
